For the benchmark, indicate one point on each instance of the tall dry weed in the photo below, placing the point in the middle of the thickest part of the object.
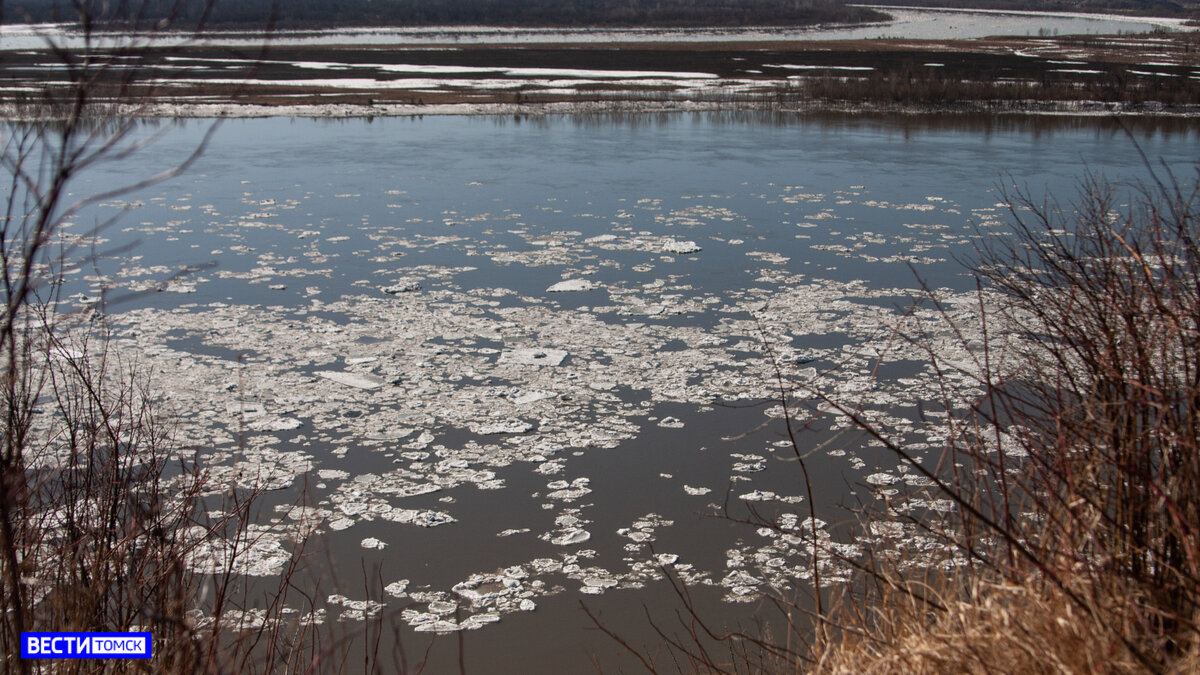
(1075, 478)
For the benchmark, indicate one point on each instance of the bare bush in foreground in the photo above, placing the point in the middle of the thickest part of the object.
(1057, 526)
(105, 524)
(1075, 477)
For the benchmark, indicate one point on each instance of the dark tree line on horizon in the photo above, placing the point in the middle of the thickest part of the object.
(315, 13)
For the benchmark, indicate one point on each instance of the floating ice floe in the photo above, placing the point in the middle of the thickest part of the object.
(246, 409)
(881, 479)
(402, 286)
(532, 396)
(572, 285)
(571, 537)
(441, 607)
(431, 623)
(505, 427)
(276, 424)
(758, 496)
(596, 585)
(533, 356)
(351, 379)
(741, 583)
(680, 247)
(262, 554)
(568, 492)
(419, 517)
(355, 609)
(749, 463)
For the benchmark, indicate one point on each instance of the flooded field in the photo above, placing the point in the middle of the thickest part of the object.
(501, 365)
(1093, 73)
(925, 59)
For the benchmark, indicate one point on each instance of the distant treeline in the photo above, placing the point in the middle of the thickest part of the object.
(314, 13)
(1167, 8)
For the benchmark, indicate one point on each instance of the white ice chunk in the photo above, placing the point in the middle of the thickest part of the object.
(480, 620)
(402, 286)
(572, 285)
(277, 424)
(533, 356)
(505, 427)
(533, 396)
(680, 247)
(572, 537)
(247, 409)
(351, 379)
(758, 496)
(396, 588)
(436, 626)
(442, 607)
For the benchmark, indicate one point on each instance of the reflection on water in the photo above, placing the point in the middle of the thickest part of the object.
(970, 123)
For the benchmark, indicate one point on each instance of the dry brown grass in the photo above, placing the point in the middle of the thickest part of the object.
(1075, 477)
(994, 628)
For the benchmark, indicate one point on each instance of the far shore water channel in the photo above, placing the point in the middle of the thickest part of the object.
(509, 365)
(907, 22)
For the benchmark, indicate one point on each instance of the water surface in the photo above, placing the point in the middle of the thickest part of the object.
(508, 418)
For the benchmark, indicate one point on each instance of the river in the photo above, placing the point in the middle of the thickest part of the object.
(515, 363)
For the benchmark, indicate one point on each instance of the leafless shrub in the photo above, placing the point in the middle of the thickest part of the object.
(1057, 528)
(1074, 477)
(995, 628)
(105, 523)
